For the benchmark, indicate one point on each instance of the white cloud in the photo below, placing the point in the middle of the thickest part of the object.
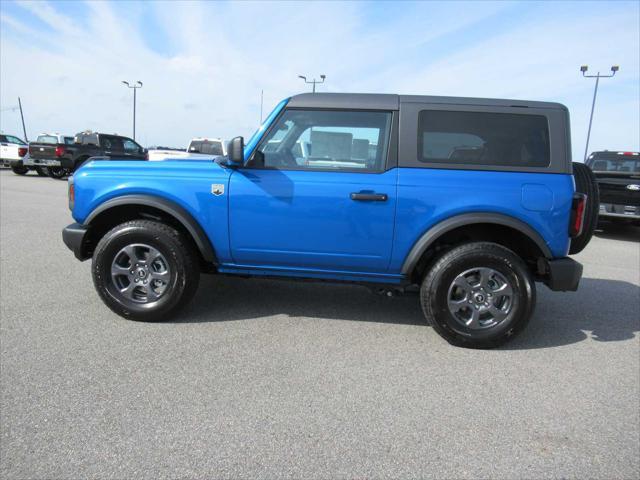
(218, 56)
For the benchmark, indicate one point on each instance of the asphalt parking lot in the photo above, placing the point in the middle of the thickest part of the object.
(265, 379)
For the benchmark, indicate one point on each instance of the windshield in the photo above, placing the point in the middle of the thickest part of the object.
(629, 164)
(253, 141)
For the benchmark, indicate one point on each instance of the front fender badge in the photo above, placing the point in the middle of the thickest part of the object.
(217, 189)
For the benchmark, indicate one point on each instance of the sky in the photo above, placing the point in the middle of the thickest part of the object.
(204, 64)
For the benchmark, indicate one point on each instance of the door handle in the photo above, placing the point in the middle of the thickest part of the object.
(369, 197)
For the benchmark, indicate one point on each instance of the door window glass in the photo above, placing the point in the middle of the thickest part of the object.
(131, 147)
(326, 140)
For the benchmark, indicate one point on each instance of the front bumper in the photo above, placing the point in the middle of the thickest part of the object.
(611, 211)
(41, 162)
(563, 274)
(75, 237)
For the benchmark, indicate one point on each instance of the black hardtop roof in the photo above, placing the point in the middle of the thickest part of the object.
(386, 101)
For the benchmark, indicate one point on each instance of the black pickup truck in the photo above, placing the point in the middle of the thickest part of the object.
(64, 159)
(618, 175)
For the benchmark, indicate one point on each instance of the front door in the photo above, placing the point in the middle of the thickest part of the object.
(316, 194)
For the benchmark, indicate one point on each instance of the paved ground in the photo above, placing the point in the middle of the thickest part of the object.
(265, 379)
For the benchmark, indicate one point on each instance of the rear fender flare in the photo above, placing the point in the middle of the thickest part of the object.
(439, 229)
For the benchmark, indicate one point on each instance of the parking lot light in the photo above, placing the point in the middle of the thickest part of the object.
(583, 69)
(314, 81)
(135, 86)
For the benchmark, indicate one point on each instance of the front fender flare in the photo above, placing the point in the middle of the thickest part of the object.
(439, 229)
(171, 208)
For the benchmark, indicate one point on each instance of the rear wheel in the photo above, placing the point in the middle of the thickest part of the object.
(586, 183)
(19, 170)
(57, 172)
(145, 270)
(478, 295)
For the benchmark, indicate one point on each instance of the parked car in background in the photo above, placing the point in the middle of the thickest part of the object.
(618, 175)
(40, 165)
(470, 200)
(12, 149)
(65, 158)
(199, 148)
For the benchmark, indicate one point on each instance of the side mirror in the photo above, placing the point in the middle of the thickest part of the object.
(236, 150)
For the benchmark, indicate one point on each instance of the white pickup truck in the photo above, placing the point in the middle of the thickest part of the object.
(12, 149)
(199, 148)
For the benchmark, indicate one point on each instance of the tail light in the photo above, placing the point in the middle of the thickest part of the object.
(578, 208)
(59, 151)
(146, 155)
(71, 193)
(30, 150)
(22, 151)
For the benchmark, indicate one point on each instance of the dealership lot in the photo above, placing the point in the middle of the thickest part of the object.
(263, 378)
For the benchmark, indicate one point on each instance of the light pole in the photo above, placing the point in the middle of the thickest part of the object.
(584, 69)
(314, 81)
(261, 102)
(135, 87)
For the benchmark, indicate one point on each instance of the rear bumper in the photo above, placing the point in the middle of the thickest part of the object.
(563, 274)
(75, 237)
(41, 162)
(611, 211)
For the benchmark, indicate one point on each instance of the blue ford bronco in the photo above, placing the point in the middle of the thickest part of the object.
(468, 201)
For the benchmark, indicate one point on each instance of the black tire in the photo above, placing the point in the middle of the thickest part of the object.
(42, 171)
(438, 286)
(586, 183)
(57, 172)
(182, 270)
(20, 170)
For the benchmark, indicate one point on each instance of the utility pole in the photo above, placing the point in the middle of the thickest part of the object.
(261, 103)
(135, 87)
(584, 69)
(24, 130)
(313, 82)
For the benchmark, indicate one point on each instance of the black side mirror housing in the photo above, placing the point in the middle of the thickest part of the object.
(236, 151)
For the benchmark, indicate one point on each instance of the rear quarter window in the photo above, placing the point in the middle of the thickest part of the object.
(47, 139)
(483, 139)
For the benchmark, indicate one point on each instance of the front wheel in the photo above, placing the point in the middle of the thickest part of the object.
(145, 270)
(478, 295)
